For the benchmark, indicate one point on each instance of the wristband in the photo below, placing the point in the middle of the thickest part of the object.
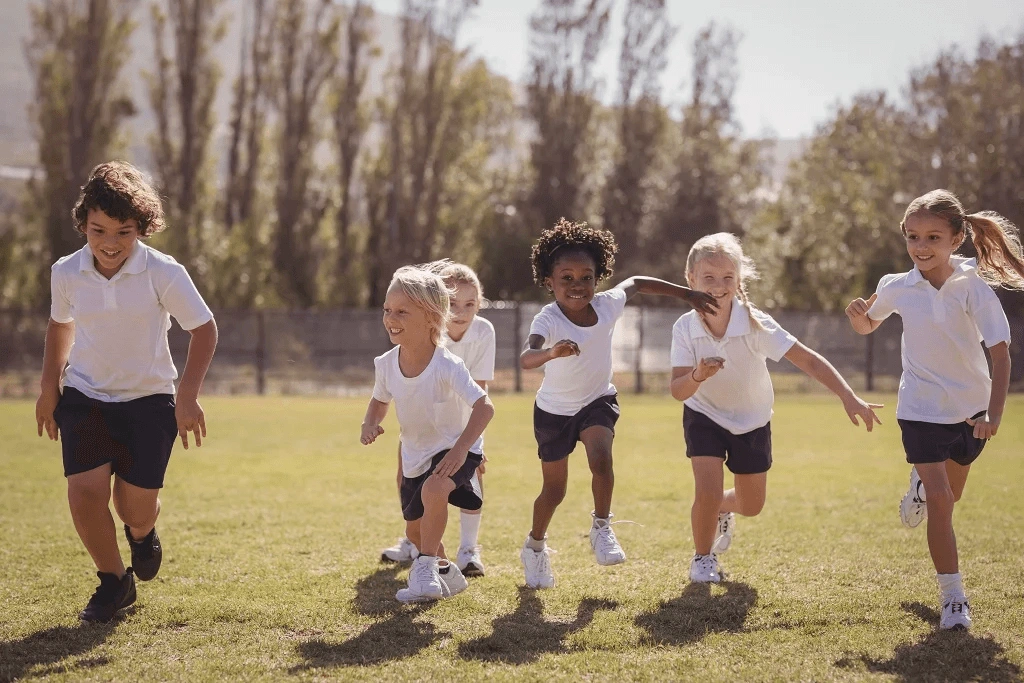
(698, 381)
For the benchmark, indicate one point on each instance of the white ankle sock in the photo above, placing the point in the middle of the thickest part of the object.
(533, 544)
(469, 529)
(951, 585)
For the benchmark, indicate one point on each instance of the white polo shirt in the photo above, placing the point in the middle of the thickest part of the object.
(422, 403)
(571, 383)
(945, 375)
(740, 396)
(476, 349)
(120, 350)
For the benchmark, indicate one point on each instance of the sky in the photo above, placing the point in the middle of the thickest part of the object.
(797, 58)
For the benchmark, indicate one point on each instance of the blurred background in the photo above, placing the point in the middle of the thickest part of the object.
(307, 148)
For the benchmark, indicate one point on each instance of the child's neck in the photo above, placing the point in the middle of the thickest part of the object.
(585, 317)
(414, 357)
(718, 323)
(938, 275)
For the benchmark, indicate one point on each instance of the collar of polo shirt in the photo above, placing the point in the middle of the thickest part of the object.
(135, 264)
(962, 267)
(739, 322)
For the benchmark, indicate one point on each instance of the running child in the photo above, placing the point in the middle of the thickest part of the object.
(107, 386)
(440, 450)
(948, 404)
(572, 339)
(471, 338)
(719, 371)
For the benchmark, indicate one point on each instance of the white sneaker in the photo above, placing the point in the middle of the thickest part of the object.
(424, 581)
(469, 562)
(913, 508)
(452, 581)
(726, 527)
(956, 613)
(537, 566)
(403, 551)
(704, 569)
(606, 547)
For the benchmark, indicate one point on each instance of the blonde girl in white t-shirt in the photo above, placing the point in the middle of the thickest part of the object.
(471, 338)
(948, 404)
(440, 451)
(719, 371)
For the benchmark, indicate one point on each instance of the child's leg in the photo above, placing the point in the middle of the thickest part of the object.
(137, 507)
(434, 494)
(940, 499)
(556, 474)
(957, 475)
(89, 499)
(412, 532)
(598, 442)
(747, 496)
(708, 480)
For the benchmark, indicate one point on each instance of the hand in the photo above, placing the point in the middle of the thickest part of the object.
(858, 308)
(866, 411)
(370, 433)
(702, 301)
(985, 427)
(45, 406)
(451, 463)
(482, 467)
(565, 348)
(190, 418)
(707, 368)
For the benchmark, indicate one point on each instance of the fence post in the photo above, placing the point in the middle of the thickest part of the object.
(869, 362)
(261, 341)
(638, 369)
(517, 321)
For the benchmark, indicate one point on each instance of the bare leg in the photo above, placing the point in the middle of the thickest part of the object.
(598, 442)
(747, 497)
(707, 501)
(939, 498)
(137, 507)
(435, 513)
(556, 474)
(89, 499)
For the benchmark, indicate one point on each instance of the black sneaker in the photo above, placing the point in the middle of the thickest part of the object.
(112, 595)
(146, 554)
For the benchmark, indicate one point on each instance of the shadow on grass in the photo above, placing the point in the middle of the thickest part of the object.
(396, 636)
(524, 635)
(943, 656)
(697, 612)
(52, 646)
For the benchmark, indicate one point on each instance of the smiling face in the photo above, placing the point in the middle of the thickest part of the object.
(111, 241)
(465, 305)
(930, 242)
(573, 280)
(717, 275)
(405, 322)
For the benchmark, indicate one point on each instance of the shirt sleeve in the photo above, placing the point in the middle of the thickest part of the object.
(483, 361)
(60, 300)
(616, 298)
(542, 325)
(775, 341)
(380, 380)
(463, 384)
(182, 300)
(988, 314)
(682, 355)
(885, 304)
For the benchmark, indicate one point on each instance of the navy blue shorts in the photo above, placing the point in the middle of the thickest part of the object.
(557, 434)
(135, 437)
(933, 442)
(749, 453)
(467, 494)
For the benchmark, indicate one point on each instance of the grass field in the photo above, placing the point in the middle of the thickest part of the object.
(272, 534)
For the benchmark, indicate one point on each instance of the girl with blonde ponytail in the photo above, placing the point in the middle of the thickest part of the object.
(948, 405)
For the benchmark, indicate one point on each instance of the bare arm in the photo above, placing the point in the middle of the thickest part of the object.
(986, 426)
(686, 380)
(187, 411)
(371, 429)
(857, 312)
(57, 347)
(640, 284)
(814, 365)
(483, 411)
(535, 355)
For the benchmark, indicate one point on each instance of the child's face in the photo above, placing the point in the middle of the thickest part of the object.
(930, 241)
(716, 275)
(573, 280)
(110, 241)
(405, 322)
(464, 308)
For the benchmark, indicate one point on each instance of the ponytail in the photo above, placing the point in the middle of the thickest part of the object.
(1000, 258)
(755, 323)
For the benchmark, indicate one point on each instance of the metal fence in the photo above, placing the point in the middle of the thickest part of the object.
(331, 352)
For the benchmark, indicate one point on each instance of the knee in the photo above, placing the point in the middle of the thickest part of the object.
(600, 462)
(553, 493)
(88, 494)
(940, 501)
(437, 488)
(750, 508)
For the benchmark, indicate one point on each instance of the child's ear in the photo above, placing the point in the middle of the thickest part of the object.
(548, 286)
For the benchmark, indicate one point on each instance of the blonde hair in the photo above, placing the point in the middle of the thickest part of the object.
(455, 274)
(427, 290)
(1000, 257)
(728, 245)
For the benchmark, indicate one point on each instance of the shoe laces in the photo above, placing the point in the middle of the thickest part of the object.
(724, 523)
(422, 572)
(707, 562)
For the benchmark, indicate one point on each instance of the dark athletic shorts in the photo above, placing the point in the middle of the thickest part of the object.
(135, 437)
(932, 442)
(467, 494)
(749, 453)
(557, 434)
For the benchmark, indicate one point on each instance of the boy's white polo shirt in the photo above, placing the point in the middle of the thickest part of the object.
(120, 350)
(739, 397)
(945, 375)
(476, 349)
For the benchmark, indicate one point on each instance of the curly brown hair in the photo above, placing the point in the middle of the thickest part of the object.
(119, 190)
(569, 237)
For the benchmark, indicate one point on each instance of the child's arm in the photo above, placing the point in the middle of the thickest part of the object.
(187, 411)
(820, 369)
(371, 429)
(686, 380)
(535, 355)
(483, 411)
(857, 312)
(59, 339)
(987, 425)
(640, 284)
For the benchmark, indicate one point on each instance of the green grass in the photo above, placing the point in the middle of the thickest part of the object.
(273, 529)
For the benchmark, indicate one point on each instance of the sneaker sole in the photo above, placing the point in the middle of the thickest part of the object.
(906, 519)
(472, 569)
(390, 560)
(611, 563)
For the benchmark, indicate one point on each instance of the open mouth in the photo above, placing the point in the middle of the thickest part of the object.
(110, 254)
(577, 296)
(394, 330)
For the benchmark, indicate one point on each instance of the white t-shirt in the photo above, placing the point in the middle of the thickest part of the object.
(427, 424)
(120, 351)
(476, 349)
(945, 375)
(571, 383)
(739, 397)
